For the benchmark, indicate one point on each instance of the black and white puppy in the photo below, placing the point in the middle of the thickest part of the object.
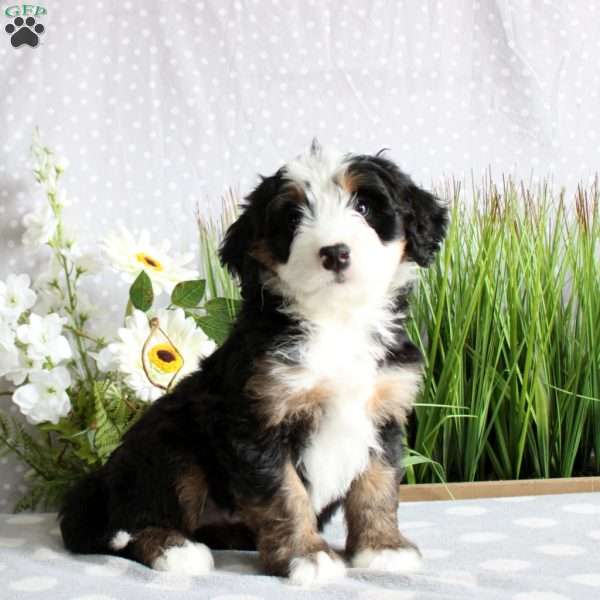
(300, 411)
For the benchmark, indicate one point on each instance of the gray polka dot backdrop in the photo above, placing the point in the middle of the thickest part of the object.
(160, 106)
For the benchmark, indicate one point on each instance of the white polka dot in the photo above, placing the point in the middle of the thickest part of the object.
(466, 511)
(171, 581)
(110, 569)
(539, 596)
(46, 554)
(535, 522)
(482, 537)
(94, 597)
(236, 597)
(560, 550)
(591, 579)
(386, 595)
(435, 553)
(505, 565)
(583, 509)
(33, 584)
(458, 577)
(594, 534)
(415, 525)
(6, 542)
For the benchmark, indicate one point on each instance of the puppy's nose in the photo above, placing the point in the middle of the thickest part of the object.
(335, 258)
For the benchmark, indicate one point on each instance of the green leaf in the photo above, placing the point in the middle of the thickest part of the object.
(188, 294)
(107, 435)
(219, 318)
(224, 308)
(215, 328)
(140, 293)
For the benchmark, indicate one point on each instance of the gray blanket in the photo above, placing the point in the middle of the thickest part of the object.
(530, 548)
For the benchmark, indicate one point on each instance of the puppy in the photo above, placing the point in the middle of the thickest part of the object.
(300, 412)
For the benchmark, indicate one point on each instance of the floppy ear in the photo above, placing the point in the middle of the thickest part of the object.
(425, 225)
(425, 217)
(236, 244)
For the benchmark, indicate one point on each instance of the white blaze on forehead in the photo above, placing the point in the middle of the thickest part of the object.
(330, 216)
(317, 170)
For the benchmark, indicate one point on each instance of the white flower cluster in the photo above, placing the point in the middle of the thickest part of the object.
(33, 353)
(42, 365)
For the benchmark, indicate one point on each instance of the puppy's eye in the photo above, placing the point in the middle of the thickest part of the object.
(362, 207)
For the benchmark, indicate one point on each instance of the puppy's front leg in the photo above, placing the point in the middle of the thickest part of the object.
(371, 505)
(288, 540)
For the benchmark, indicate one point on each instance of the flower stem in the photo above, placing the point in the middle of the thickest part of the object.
(71, 299)
(80, 333)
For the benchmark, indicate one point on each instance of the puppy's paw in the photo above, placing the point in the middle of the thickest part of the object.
(316, 568)
(402, 560)
(188, 559)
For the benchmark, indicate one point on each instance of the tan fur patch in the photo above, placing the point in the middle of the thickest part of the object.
(402, 244)
(371, 510)
(349, 181)
(395, 393)
(148, 544)
(277, 401)
(285, 527)
(192, 491)
(261, 253)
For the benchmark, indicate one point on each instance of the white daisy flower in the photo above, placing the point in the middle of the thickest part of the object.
(43, 338)
(16, 296)
(45, 397)
(40, 226)
(130, 256)
(155, 358)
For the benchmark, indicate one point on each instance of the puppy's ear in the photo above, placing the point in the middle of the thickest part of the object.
(425, 217)
(236, 244)
(425, 225)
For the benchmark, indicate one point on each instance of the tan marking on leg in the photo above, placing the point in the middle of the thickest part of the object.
(286, 527)
(192, 492)
(395, 393)
(371, 510)
(150, 543)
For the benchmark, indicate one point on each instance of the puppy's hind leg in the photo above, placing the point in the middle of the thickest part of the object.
(168, 550)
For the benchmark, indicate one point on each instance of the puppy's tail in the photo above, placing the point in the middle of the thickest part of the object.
(84, 516)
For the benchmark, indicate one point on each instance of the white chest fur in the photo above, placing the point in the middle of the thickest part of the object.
(338, 451)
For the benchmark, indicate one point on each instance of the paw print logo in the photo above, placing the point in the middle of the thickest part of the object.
(24, 32)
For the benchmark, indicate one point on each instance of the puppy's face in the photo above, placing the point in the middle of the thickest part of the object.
(329, 229)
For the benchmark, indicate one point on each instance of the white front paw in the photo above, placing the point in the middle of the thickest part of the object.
(316, 568)
(188, 559)
(402, 560)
